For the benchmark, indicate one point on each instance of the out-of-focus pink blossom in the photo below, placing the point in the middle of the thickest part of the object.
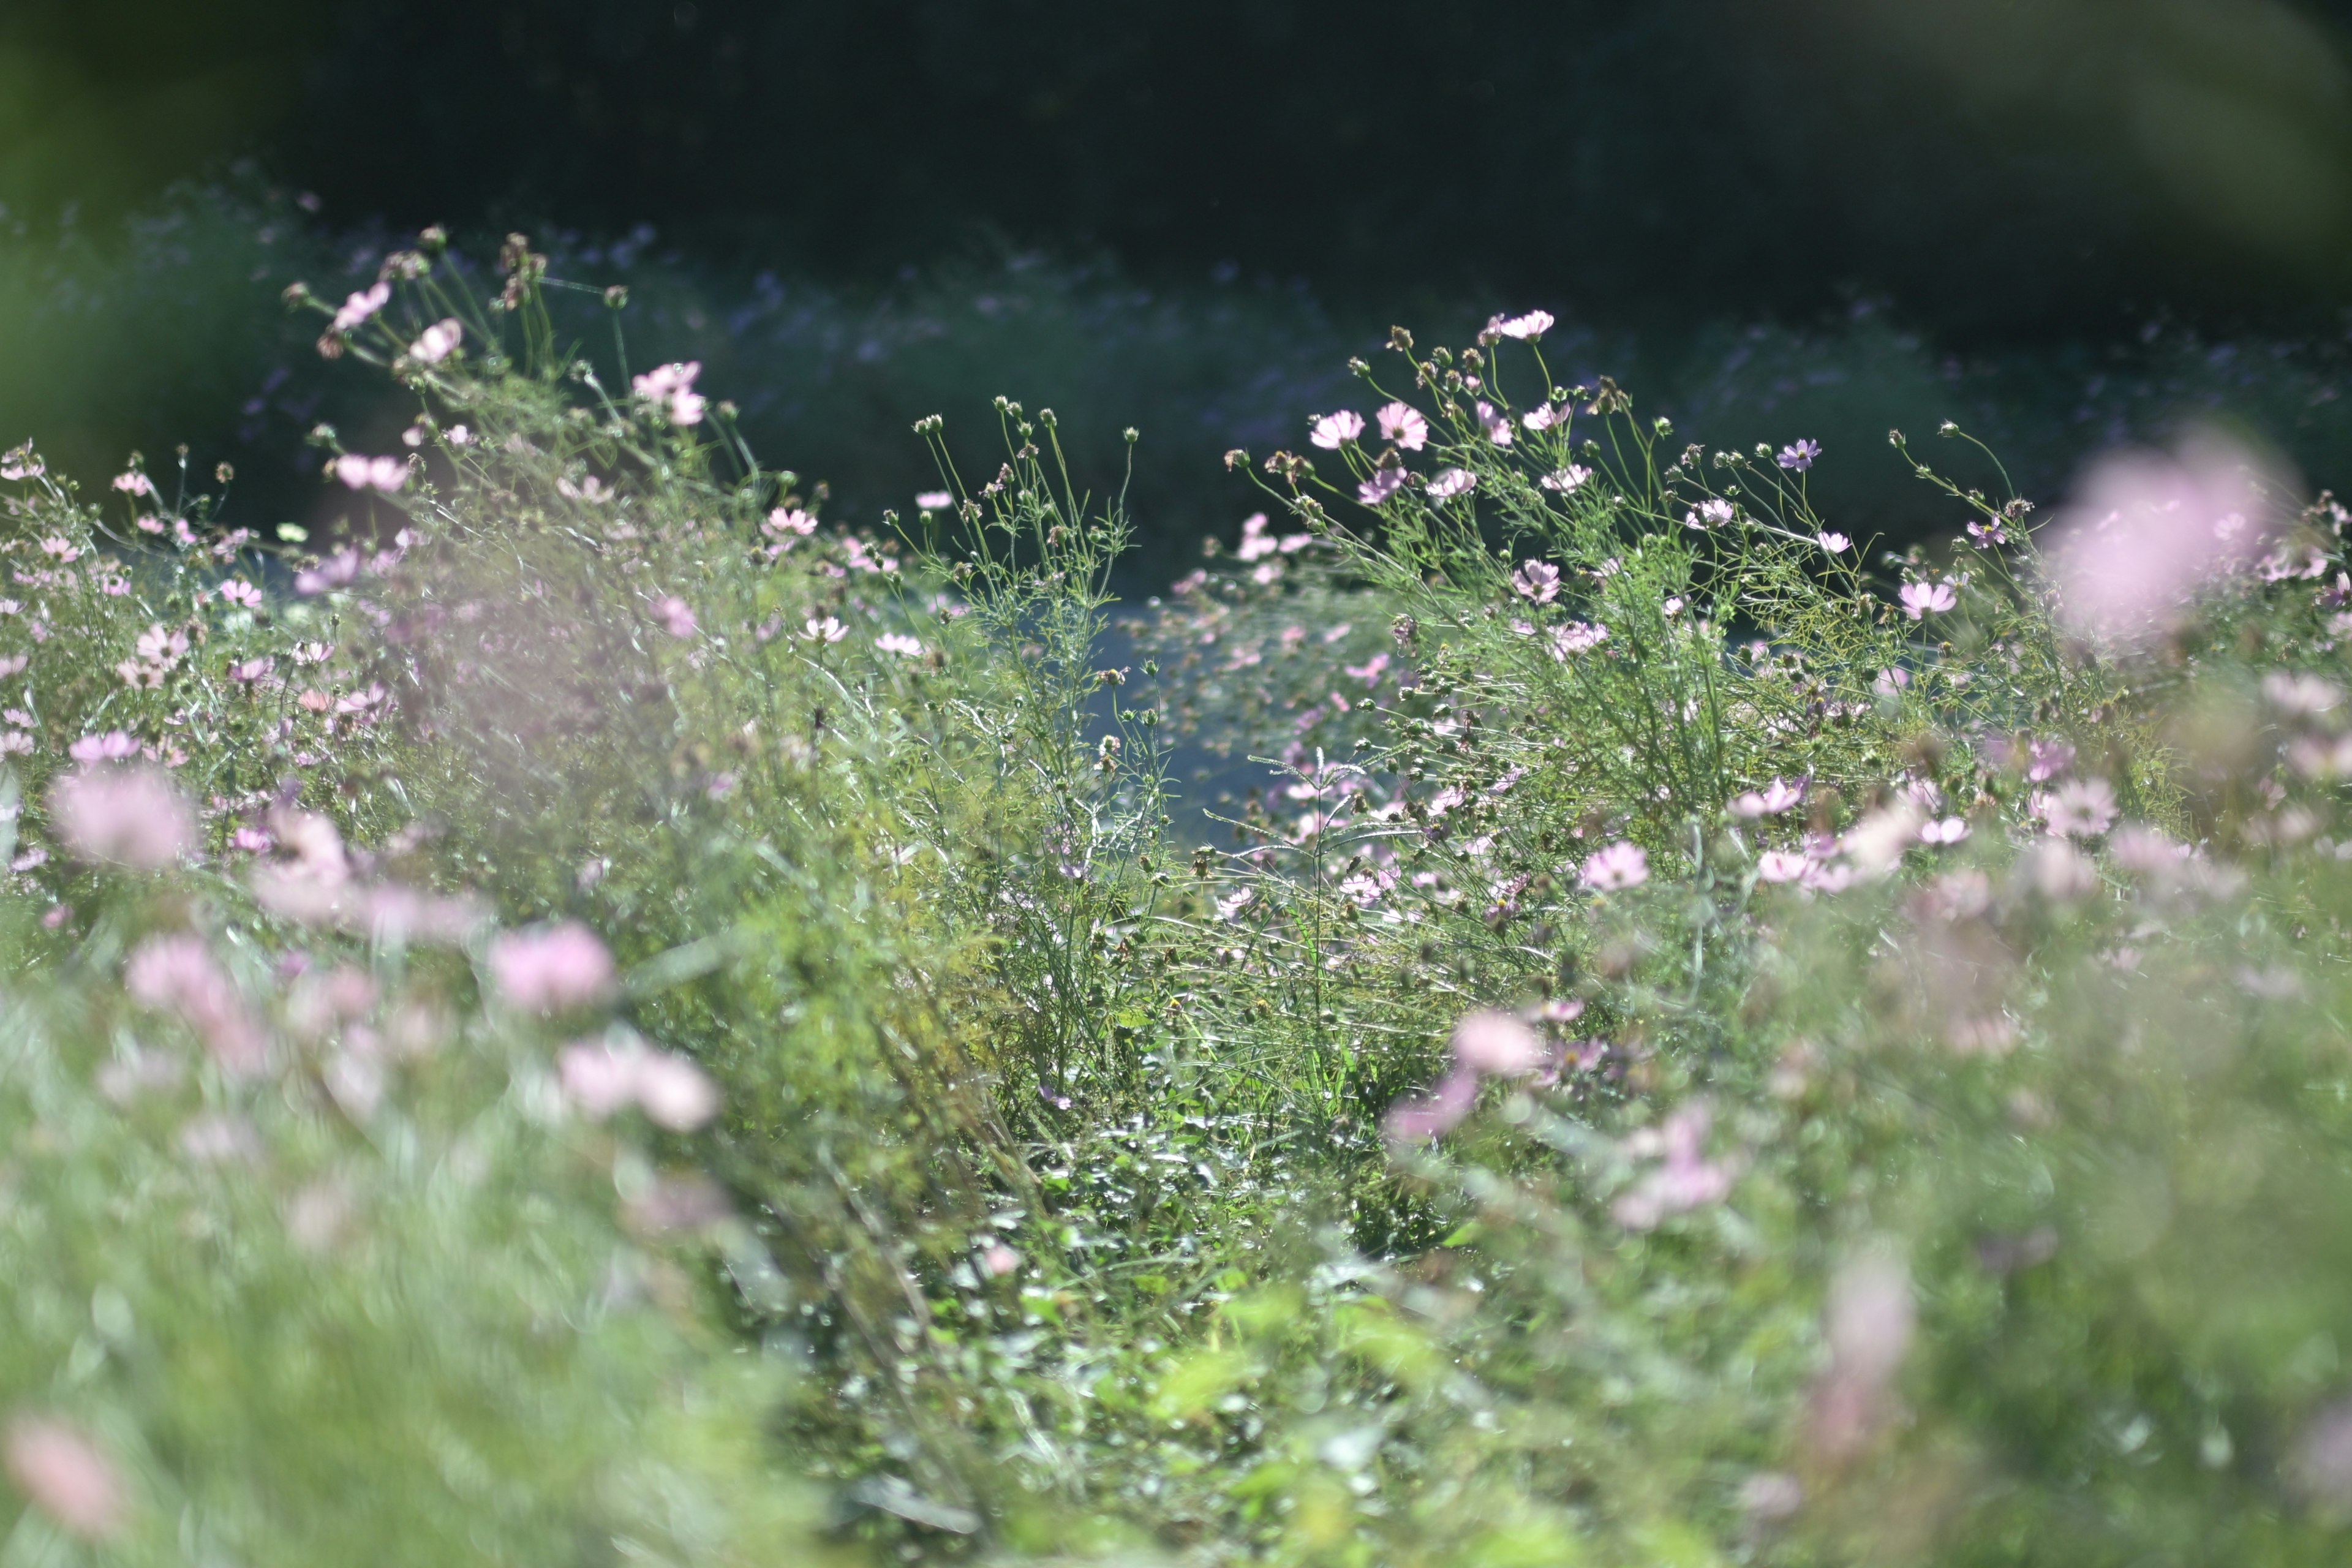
(2046, 760)
(1577, 636)
(1868, 1322)
(1537, 580)
(552, 968)
(900, 644)
(999, 1260)
(2060, 872)
(113, 746)
(1384, 483)
(1685, 1179)
(1781, 865)
(1331, 431)
(671, 388)
(1924, 599)
(2147, 531)
(1774, 798)
(675, 615)
(603, 1077)
(2081, 809)
(1496, 1044)
(363, 473)
(935, 501)
(362, 305)
(1497, 423)
(1402, 424)
(62, 1471)
(1620, 866)
(123, 816)
(2299, 696)
(178, 974)
(438, 342)
(1451, 483)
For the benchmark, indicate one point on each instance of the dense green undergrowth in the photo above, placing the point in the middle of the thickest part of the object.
(593, 1016)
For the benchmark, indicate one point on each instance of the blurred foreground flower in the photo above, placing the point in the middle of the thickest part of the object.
(123, 816)
(552, 968)
(66, 1474)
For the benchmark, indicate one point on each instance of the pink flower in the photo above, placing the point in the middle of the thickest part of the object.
(1545, 417)
(790, 520)
(249, 670)
(1537, 580)
(123, 816)
(2147, 531)
(1402, 424)
(1333, 430)
(671, 388)
(1443, 1109)
(935, 501)
(900, 644)
(1868, 1322)
(675, 615)
(1771, 801)
(1255, 539)
(178, 974)
(602, 1077)
(1781, 865)
(1835, 544)
(66, 1474)
(438, 342)
(1568, 479)
(1451, 483)
(239, 592)
(552, 968)
(1620, 866)
(1577, 636)
(1799, 454)
(361, 306)
(2047, 759)
(1920, 598)
(1496, 1044)
(114, 746)
(1711, 513)
(828, 630)
(2081, 809)
(1951, 830)
(999, 1260)
(361, 473)
(1384, 483)
(1534, 324)
(1496, 424)
(1683, 1181)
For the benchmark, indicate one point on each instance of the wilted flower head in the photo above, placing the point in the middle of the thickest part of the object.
(2147, 531)
(550, 968)
(123, 816)
(1621, 865)
(1402, 424)
(66, 1474)
(1332, 430)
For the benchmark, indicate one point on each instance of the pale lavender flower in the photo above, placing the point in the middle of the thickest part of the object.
(550, 968)
(1711, 513)
(1620, 866)
(1402, 424)
(1537, 580)
(1683, 1181)
(1920, 598)
(1383, 484)
(361, 306)
(178, 974)
(1799, 454)
(1331, 431)
(671, 388)
(786, 520)
(828, 630)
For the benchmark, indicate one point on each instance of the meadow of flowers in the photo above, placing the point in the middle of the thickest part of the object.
(591, 1014)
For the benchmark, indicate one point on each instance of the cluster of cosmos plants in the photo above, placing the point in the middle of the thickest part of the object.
(593, 1016)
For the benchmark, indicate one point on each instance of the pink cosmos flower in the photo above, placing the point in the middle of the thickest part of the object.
(1545, 417)
(828, 630)
(438, 342)
(1331, 431)
(239, 592)
(675, 615)
(1920, 598)
(1384, 483)
(1951, 830)
(1402, 424)
(1621, 865)
(66, 1474)
(361, 473)
(790, 520)
(1771, 801)
(1537, 580)
(2299, 696)
(1567, 479)
(178, 974)
(552, 968)
(1496, 424)
(1868, 1322)
(900, 644)
(2047, 759)
(1684, 1180)
(2147, 531)
(114, 746)
(1799, 454)
(671, 388)
(123, 816)
(1710, 513)
(1451, 483)
(1534, 324)
(999, 1260)
(1781, 865)
(935, 501)
(2081, 809)
(1496, 1044)
(358, 307)
(1575, 637)
(1835, 544)
(601, 1077)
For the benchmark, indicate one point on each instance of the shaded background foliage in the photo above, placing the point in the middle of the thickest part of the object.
(853, 201)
